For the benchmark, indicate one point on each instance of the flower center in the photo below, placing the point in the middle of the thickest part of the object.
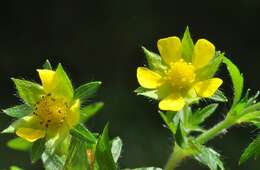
(181, 75)
(51, 111)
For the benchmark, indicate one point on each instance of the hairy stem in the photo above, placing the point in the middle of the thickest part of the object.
(178, 154)
(176, 157)
(216, 130)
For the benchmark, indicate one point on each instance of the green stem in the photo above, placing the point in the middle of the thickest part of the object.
(178, 154)
(216, 130)
(175, 159)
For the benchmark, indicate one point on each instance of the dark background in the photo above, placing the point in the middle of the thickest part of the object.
(100, 40)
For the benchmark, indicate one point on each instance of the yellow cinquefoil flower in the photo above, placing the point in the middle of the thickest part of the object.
(54, 111)
(180, 82)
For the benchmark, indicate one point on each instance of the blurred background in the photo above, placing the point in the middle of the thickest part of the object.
(100, 40)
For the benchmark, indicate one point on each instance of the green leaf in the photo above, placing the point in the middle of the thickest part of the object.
(145, 168)
(82, 133)
(30, 92)
(187, 46)
(52, 161)
(219, 96)
(19, 144)
(208, 157)
(89, 111)
(87, 90)
(15, 168)
(153, 94)
(63, 84)
(252, 150)
(211, 68)
(47, 65)
(180, 136)
(104, 158)
(18, 111)
(201, 115)
(37, 150)
(77, 156)
(168, 121)
(116, 148)
(154, 61)
(237, 79)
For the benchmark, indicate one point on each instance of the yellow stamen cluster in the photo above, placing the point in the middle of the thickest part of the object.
(51, 110)
(181, 75)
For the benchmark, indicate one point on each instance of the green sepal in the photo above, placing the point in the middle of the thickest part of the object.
(168, 120)
(82, 133)
(202, 114)
(18, 111)
(13, 167)
(28, 91)
(87, 91)
(19, 144)
(37, 150)
(47, 65)
(154, 61)
(103, 155)
(63, 84)
(89, 111)
(211, 68)
(153, 94)
(219, 96)
(187, 46)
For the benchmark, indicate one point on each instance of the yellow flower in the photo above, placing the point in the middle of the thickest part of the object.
(180, 79)
(54, 112)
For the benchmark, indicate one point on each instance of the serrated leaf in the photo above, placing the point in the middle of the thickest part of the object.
(237, 79)
(211, 68)
(18, 111)
(87, 90)
(28, 91)
(104, 158)
(252, 150)
(180, 136)
(201, 115)
(145, 168)
(208, 157)
(89, 111)
(153, 94)
(154, 61)
(47, 65)
(187, 46)
(116, 148)
(82, 133)
(19, 144)
(77, 156)
(219, 96)
(63, 84)
(37, 150)
(52, 161)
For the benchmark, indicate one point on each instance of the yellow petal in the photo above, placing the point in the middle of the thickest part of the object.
(46, 77)
(73, 116)
(203, 52)
(207, 88)
(148, 79)
(30, 134)
(173, 102)
(169, 49)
